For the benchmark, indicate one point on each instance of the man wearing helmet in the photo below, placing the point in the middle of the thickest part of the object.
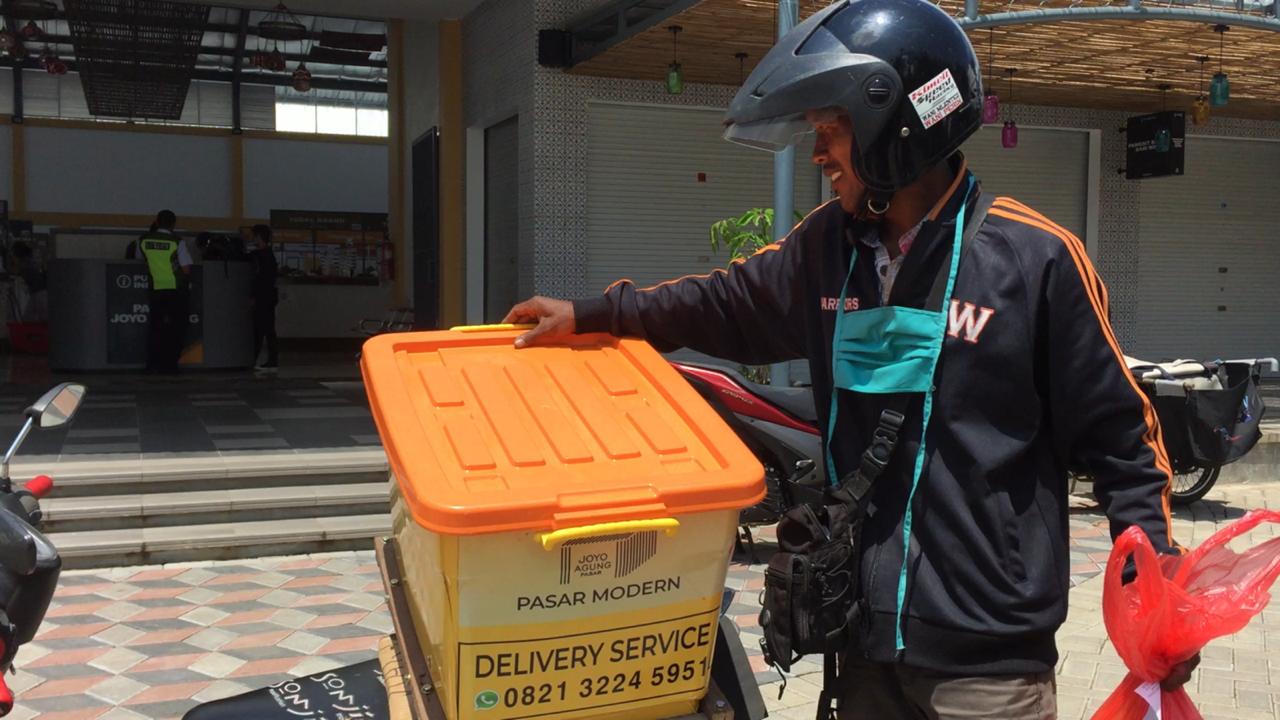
(969, 327)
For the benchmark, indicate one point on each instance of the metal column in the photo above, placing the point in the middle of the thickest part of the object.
(784, 180)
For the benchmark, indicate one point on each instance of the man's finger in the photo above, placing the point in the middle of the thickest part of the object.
(530, 338)
(1180, 674)
(519, 312)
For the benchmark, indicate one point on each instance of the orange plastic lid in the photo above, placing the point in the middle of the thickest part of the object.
(484, 438)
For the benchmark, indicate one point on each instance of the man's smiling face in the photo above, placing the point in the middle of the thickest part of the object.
(833, 151)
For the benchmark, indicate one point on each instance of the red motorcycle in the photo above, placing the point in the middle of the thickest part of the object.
(29, 563)
(778, 424)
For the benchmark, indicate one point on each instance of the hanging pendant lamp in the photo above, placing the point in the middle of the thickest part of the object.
(1163, 139)
(1220, 86)
(991, 103)
(282, 25)
(1200, 108)
(675, 73)
(302, 78)
(1009, 135)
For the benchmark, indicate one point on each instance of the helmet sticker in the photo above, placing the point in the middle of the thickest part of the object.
(937, 99)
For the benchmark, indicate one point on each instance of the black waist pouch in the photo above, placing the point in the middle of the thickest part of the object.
(810, 586)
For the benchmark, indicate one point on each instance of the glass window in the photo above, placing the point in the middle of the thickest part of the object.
(295, 117)
(371, 122)
(336, 119)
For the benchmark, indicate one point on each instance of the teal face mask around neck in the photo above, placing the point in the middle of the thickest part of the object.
(887, 349)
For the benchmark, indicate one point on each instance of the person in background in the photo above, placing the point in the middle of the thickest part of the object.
(131, 250)
(169, 264)
(264, 297)
(32, 300)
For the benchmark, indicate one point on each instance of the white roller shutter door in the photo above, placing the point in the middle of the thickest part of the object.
(1208, 254)
(649, 217)
(1048, 171)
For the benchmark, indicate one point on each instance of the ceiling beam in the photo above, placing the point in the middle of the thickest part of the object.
(270, 79)
(619, 21)
(286, 80)
(238, 51)
(1141, 12)
(229, 28)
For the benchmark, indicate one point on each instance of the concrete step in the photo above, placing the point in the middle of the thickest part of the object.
(205, 507)
(219, 541)
(114, 510)
(147, 474)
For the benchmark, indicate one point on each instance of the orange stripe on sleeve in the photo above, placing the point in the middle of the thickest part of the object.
(1095, 290)
(717, 271)
(1012, 204)
(1092, 286)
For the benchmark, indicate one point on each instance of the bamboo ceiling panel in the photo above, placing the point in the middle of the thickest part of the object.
(1114, 64)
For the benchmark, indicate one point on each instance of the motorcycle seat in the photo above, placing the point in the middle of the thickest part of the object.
(1172, 369)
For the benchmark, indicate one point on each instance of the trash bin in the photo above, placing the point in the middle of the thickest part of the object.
(566, 517)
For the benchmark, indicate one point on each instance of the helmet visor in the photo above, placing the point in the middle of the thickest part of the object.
(772, 134)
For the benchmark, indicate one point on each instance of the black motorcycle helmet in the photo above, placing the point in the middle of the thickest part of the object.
(903, 70)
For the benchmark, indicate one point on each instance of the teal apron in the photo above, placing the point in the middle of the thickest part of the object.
(891, 350)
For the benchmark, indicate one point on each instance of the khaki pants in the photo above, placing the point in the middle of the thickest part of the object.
(876, 691)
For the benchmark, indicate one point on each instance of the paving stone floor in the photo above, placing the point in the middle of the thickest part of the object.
(152, 642)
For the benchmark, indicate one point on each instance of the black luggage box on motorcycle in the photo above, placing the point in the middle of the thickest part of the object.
(1211, 427)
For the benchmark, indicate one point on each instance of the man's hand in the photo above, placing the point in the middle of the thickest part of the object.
(1180, 674)
(554, 318)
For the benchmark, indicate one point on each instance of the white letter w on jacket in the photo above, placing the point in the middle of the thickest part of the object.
(964, 321)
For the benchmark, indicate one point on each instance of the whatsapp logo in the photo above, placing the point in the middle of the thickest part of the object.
(486, 700)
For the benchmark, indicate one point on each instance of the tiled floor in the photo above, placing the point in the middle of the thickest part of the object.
(130, 416)
(154, 642)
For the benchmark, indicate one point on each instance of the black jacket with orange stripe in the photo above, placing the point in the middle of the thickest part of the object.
(1030, 379)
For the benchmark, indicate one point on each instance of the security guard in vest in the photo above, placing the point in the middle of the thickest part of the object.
(169, 264)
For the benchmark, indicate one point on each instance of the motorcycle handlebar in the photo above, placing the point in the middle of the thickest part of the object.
(29, 497)
(39, 486)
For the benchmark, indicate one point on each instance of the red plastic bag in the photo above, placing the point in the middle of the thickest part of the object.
(1175, 606)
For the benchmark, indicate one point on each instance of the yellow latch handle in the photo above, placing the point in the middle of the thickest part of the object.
(558, 537)
(496, 327)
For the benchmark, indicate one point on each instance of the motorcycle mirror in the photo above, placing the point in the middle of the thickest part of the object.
(57, 406)
(17, 546)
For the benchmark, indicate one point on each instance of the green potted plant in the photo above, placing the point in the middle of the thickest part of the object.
(742, 237)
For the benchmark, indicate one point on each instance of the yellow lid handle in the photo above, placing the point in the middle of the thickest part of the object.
(496, 327)
(551, 540)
